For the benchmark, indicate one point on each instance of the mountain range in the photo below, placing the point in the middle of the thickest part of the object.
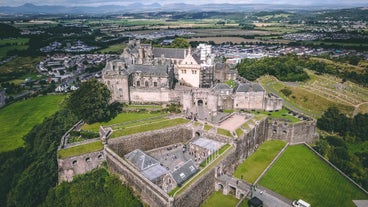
(29, 8)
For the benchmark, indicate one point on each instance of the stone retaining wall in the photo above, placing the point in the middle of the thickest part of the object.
(72, 166)
(150, 140)
(149, 193)
(304, 131)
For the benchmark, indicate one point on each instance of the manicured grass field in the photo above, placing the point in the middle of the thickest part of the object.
(81, 149)
(217, 199)
(300, 174)
(254, 165)
(120, 118)
(148, 127)
(17, 119)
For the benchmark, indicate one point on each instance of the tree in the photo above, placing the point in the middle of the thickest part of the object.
(180, 42)
(90, 102)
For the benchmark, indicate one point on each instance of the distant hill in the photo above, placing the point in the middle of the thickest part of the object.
(154, 7)
(9, 31)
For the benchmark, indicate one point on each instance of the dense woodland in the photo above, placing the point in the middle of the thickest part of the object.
(97, 188)
(28, 174)
(345, 132)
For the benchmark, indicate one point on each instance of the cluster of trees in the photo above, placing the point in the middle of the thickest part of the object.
(27, 174)
(346, 131)
(91, 102)
(285, 68)
(334, 121)
(8, 31)
(97, 188)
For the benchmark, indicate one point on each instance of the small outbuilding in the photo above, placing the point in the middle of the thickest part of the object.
(255, 202)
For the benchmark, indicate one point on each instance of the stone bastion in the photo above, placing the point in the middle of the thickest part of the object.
(204, 182)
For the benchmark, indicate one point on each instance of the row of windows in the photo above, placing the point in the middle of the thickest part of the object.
(146, 84)
(185, 71)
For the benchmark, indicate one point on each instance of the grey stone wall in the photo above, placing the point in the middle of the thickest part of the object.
(72, 166)
(149, 95)
(249, 142)
(303, 131)
(148, 192)
(150, 140)
(198, 191)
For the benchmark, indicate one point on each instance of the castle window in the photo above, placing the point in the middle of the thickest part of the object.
(155, 84)
(146, 83)
(88, 159)
(138, 83)
(194, 72)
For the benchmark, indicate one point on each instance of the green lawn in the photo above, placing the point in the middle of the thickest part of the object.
(81, 149)
(120, 118)
(224, 132)
(148, 127)
(217, 199)
(239, 132)
(300, 174)
(207, 127)
(254, 165)
(280, 114)
(17, 119)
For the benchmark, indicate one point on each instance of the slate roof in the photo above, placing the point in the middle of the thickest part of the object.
(208, 144)
(175, 53)
(141, 160)
(221, 86)
(249, 87)
(184, 172)
(147, 165)
(154, 172)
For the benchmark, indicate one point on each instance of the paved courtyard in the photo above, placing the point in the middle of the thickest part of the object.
(233, 122)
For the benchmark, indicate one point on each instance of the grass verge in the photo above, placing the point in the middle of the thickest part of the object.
(217, 199)
(81, 149)
(254, 165)
(149, 127)
(224, 132)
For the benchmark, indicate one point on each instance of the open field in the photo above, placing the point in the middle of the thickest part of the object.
(117, 48)
(300, 174)
(18, 68)
(227, 32)
(217, 199)
(254, 165)
(7, 45)
(120, 119)
(81, 149)
(149, 126)
(17, 119)
(309, 100)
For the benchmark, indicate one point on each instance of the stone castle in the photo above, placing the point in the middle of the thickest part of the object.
(155, 163)
(144, 74)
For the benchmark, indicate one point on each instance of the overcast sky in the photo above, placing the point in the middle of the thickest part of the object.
(124, 2)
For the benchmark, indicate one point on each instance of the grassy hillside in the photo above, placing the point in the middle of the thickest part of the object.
(300, 174)
(17, 119)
